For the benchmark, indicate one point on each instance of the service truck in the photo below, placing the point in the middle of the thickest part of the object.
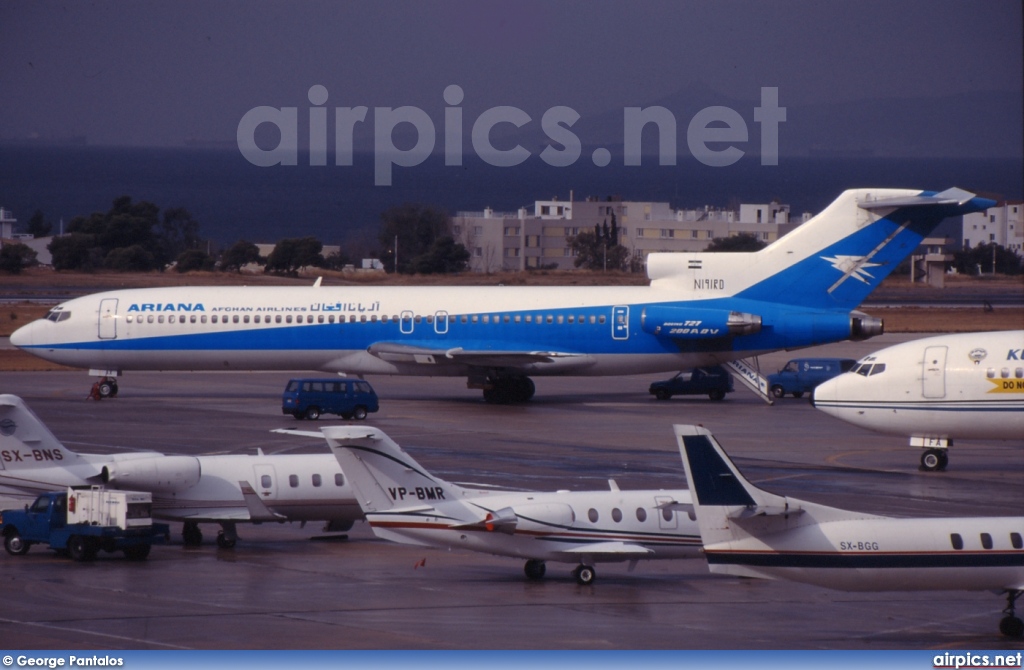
(81, 522)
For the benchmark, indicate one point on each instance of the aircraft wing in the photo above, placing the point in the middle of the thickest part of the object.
(400, 352)
(621, 549)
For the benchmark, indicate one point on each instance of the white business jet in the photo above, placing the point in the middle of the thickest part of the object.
(404, 503)
(749, 532)
(224, 489)
(933, 390)
(701, 309)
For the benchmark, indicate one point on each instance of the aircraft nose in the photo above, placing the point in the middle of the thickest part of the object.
(825, 391)
(24, 336)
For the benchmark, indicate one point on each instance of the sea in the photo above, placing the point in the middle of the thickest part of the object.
(233, 199)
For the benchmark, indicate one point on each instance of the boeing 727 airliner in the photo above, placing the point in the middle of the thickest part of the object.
(700, 309)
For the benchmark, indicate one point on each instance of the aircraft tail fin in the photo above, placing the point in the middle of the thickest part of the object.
(25, 441)
(832, 261)
(722, 497)
(383, 476)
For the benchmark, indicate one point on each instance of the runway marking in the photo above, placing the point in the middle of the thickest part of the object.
(93, 633)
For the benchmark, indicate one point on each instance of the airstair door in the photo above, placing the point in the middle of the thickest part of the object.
(620, 322)
(933, 372)
(108, 319)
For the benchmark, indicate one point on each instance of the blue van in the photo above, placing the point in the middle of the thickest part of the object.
(801, 375)
(309, 398)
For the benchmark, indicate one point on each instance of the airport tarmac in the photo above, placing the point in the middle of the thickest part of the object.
(286, 587)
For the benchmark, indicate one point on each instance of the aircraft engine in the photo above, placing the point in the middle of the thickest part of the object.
(541, 516)
(159, 473)
(695, 323)
(863, 326)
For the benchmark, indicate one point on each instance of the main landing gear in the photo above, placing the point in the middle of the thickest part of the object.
(508, 390)
(191, 536)
(105, 387)
(1011, 625)
(536, 568)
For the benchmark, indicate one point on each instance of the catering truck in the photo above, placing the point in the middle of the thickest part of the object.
(81, 522)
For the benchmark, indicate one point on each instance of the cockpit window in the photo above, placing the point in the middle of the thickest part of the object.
(57, 315)
(868, 369)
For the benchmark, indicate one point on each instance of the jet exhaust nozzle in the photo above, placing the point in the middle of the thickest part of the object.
(863, 326)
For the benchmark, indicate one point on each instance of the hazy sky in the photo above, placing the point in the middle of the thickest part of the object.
(145, 73)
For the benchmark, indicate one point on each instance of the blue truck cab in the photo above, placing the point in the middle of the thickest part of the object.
(81, 522)
(801, 375)
(309, 398)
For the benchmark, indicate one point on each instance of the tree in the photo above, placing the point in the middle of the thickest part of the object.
(38, 226)
(291, 254)
(193, 259)
(76, 251)
(177, 233)
(416, 228)
(135, 258)
(980, 260)
(337, 261)
(594, 251)
(15, 256)
(444, 255)
(741, 242)
(240, 254)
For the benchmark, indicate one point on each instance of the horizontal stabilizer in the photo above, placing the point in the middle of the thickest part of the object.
(951, 196)
(299, 433)
(788, 509)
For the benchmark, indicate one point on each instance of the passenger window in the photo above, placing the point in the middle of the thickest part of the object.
(213, 319)
(1016, 541)
(245, 319)
(339, 479)
(171, 319)
(149, 319)
(288, 319)
(518, 318)
(320, 318)
(266, 481)
(666, 514)
(529, 318)
(293, 481)
(160, 319)
(463, 319)
(561, 319)
(986, 540)
(1004, 373)
(616, 515)
(234, 319)
(956, 541)
(192, 318)
(317, 481)
(130, 318)
(601, 319)
(593, 515)
(990, 373)
(202, 319)
(641, 514)
(487, 318)
(277, 318)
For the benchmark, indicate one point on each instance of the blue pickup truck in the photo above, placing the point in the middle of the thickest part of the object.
(81, 522)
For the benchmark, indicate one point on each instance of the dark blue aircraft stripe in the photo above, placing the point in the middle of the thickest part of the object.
(989, 559)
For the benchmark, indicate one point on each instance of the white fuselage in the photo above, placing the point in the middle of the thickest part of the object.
(967, 385)
(299, 487)
(584, 526)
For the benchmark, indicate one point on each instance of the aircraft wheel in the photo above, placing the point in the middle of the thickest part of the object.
(777, 391)
(224, 542)
(15, 545)
(934, 459)
(662, 394)
(584, 575)
(359, 414)
(312, 412)
(191, 536)
(535, 569)
(107, 389)
(1011, 626)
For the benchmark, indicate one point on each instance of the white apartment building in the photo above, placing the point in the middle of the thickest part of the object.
(1001, 224)
(537, 239)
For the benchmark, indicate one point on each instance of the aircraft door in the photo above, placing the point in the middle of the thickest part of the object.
(266, 481)
(933, 372)
(405, 325)
(441, 322)
(620, 322)
(108, 319)
(667, 517)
